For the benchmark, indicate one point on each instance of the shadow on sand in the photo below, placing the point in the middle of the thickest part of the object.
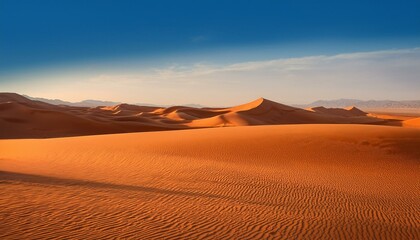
(13, 177)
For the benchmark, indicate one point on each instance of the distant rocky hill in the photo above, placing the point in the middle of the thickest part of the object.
(371, 104)
(96, 103)
(84, 103)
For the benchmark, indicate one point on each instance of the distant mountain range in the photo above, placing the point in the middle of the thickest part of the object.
(370, 104)
(339, 103)
(84, 103)
(97, 103)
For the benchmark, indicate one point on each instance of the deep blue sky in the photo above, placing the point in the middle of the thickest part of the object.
(210, 52)
(43, 33)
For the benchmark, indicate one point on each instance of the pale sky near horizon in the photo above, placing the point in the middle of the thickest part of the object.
(365, 75)
(214, 53)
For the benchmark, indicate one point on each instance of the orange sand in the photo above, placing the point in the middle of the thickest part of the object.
(24, 118)
(263, 182)
(415, 122)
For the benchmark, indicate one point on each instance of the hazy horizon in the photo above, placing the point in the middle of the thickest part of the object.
(193, 103)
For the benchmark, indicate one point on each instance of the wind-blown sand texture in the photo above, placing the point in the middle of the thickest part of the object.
(307, 181)
(24, 118)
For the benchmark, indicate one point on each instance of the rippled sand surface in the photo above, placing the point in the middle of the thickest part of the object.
(264, 182)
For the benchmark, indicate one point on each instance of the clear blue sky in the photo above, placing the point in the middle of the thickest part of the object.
(48, 34)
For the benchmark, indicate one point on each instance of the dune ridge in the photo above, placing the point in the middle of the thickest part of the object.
(24, 118)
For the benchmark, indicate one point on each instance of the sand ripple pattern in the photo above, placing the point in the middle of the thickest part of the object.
(269, 182)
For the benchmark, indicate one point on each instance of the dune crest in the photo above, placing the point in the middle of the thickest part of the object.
(24, 118)
(261, 105)
(344, 112)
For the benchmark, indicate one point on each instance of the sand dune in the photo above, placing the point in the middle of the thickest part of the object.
(344, 112)
(319, 174)
(24, 118)
(415, 122)
(260, 182)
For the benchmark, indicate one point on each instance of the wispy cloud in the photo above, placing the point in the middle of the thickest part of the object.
(324, 65)
(390, 74)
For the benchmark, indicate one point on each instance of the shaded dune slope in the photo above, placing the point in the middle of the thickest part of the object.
(344, 112)
(24, 118)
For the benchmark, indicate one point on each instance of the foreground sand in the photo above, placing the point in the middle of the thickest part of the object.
(279, 182)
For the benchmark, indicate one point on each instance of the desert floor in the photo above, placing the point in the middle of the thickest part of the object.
(312, 181)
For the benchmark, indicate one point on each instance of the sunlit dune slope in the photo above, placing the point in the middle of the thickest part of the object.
(344, 112)
(260, 182)
(24, 118)
(415, 122)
